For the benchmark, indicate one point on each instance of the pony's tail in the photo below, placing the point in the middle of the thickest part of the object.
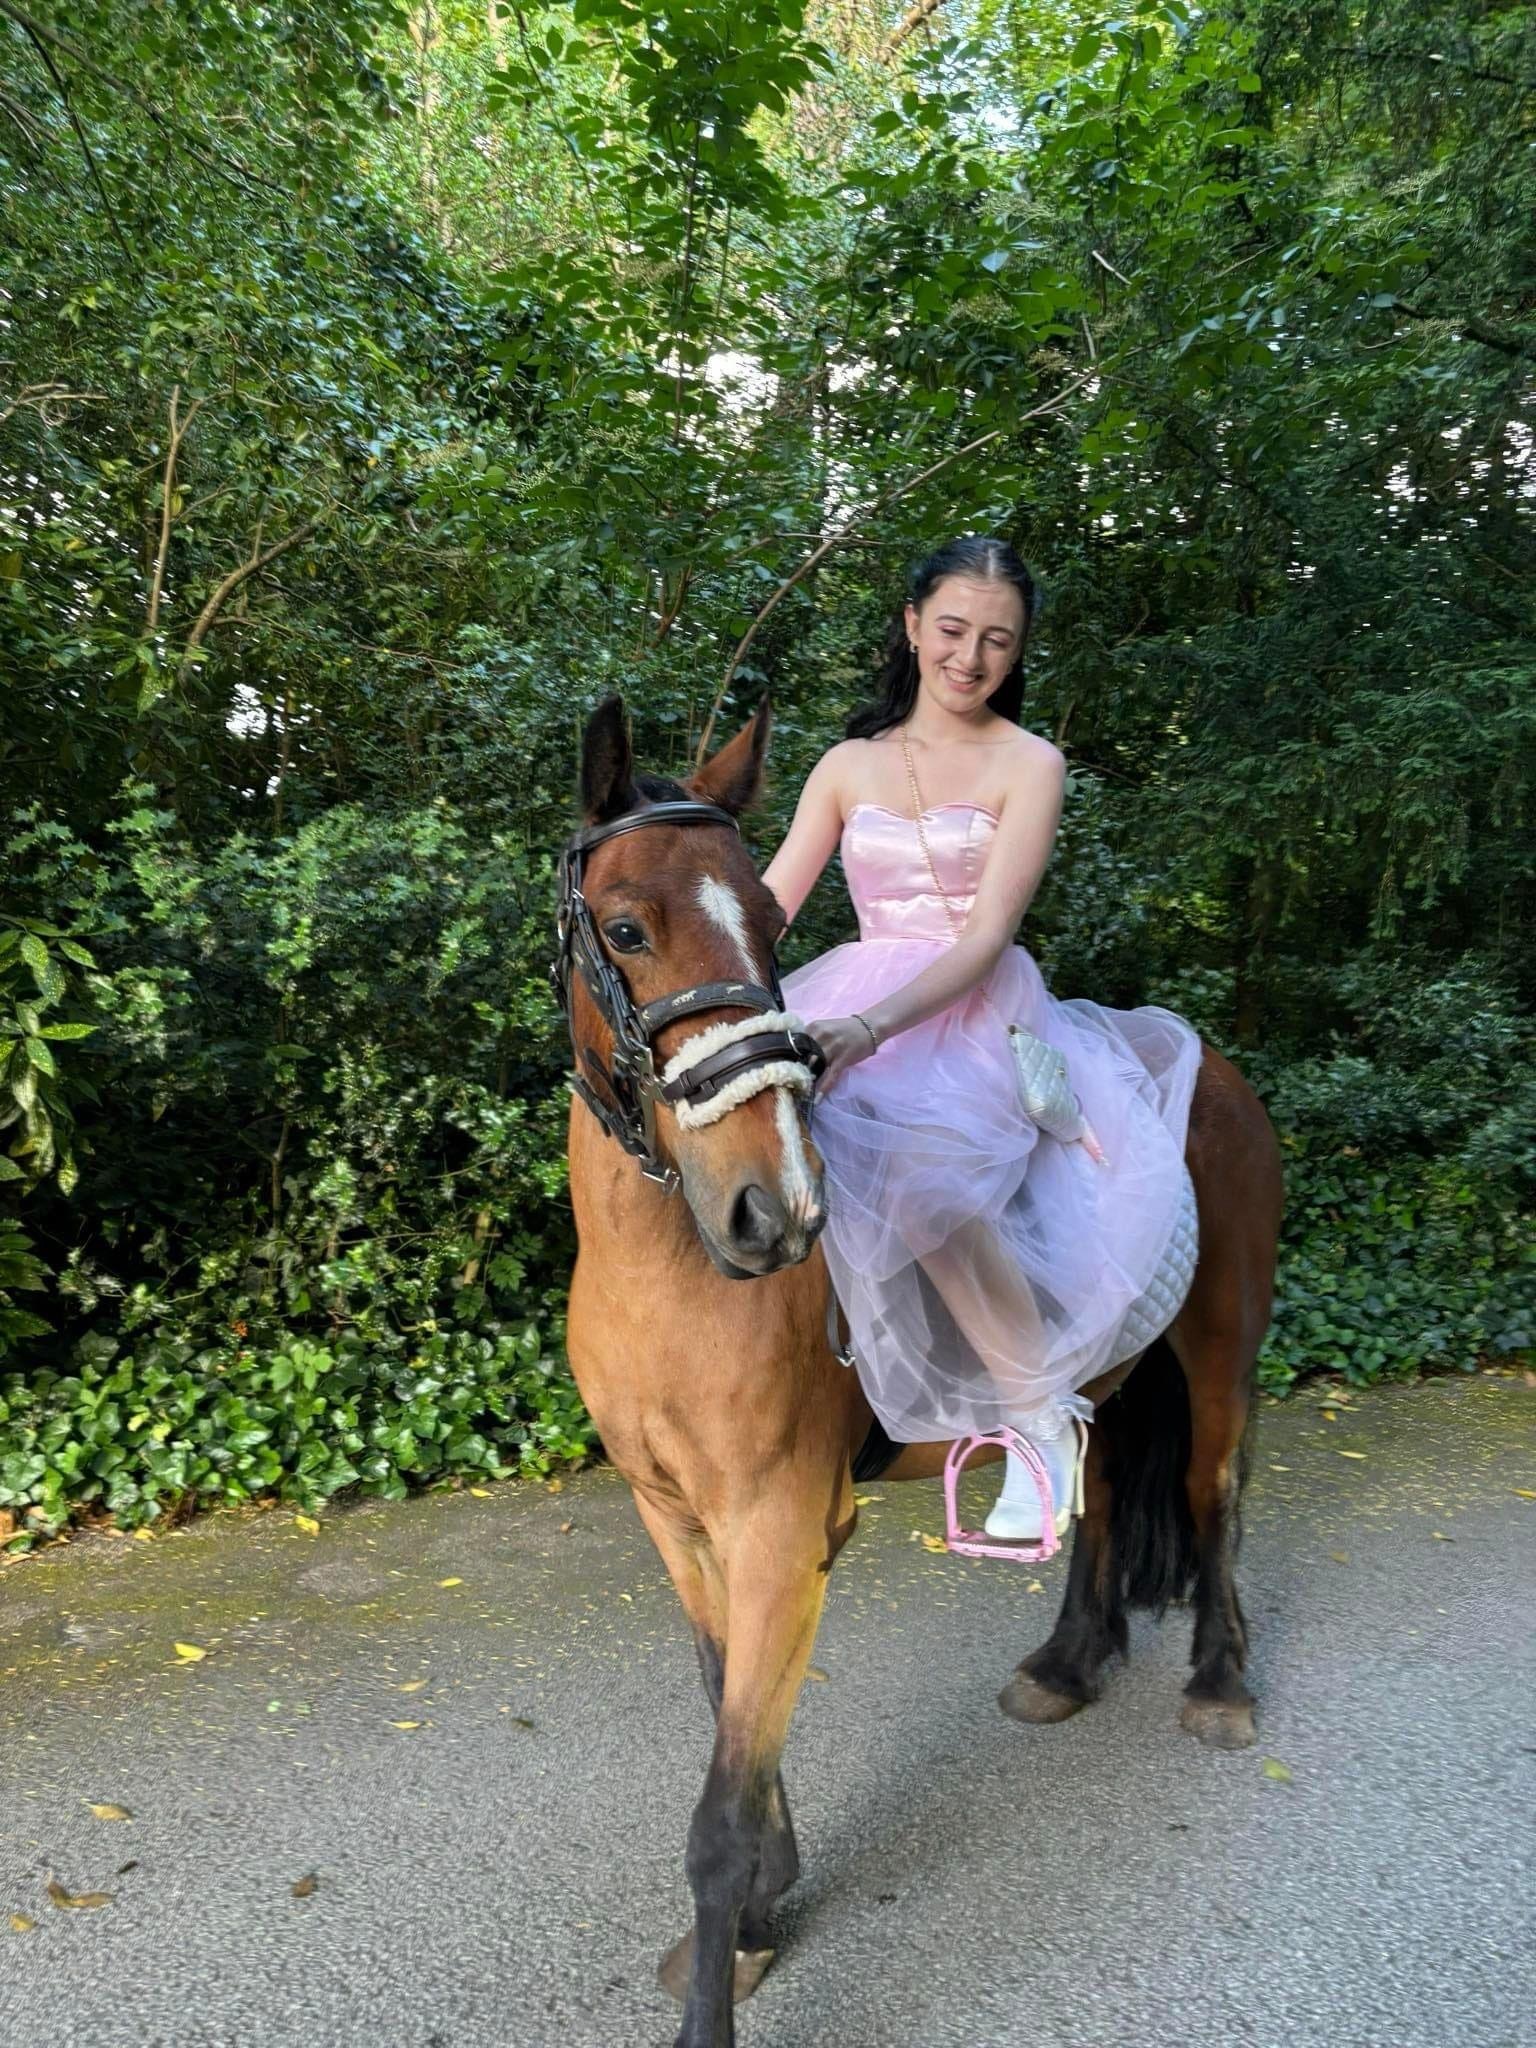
(1145, 1431)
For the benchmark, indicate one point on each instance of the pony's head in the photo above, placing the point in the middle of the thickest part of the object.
(677, 905)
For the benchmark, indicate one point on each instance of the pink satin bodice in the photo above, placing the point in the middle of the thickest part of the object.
(888, 877)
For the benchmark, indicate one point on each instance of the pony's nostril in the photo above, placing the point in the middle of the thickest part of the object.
(758, 1221)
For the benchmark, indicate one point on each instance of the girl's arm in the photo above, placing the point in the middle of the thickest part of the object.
(811, 839)
(1015, 864)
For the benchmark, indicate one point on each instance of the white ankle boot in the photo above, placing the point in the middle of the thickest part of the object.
(1015, 1516)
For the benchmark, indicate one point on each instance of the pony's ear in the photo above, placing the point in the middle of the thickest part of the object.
(733, 777)
(607, 765)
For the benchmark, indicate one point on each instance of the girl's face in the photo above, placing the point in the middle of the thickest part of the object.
(968, 636)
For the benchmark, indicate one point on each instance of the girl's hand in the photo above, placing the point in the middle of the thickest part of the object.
(845, 1042)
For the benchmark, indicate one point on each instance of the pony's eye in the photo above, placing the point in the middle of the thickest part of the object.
(624, 935)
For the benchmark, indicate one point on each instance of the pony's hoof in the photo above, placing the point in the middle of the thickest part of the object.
(1026, 1699)
(673, 1970)
(1220, 1724)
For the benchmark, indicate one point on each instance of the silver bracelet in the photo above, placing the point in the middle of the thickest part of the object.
(873, 1040)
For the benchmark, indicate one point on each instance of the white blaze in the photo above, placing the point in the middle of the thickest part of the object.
(721, 905)
(799, 1186)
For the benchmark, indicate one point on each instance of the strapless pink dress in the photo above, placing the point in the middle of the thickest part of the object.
(985, 1268)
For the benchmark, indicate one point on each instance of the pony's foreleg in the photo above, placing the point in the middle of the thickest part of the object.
(696, 1575)
(1062, 1676)
(775, 1588)
(779, 1862)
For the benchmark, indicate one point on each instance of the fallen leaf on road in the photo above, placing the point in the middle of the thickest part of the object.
(189, 1653)
(21, 1923)
(1330, 1415)
(124, 1868)
(1035, 1586)
(1525, 1493)
(555, 1486)
(307, 1523)
(106, 1811)
(934, 1543)
(411, 1685)
(60, 1897)
(864, 1500)
(405, 1724)
(1273, 1768)
(815, 1671)
(304, 1886)
(1353, 1454)
(143, 1535)
(566, 1528)
(450, 1582)
(1339, 1556)
(1441, 1537)
(481, 1492)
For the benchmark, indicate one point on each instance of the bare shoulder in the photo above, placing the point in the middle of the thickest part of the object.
(837, 770)
(1032, 762)
(830, 776)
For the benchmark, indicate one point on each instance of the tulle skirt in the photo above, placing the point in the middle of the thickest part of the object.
(986, 1269)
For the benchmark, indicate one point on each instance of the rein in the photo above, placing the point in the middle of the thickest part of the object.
(732, 1061)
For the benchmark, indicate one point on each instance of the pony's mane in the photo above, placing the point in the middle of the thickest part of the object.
(661, 789)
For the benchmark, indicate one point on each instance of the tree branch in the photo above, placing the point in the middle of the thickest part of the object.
(178, 435)
(257, 560)
(61, 86)
(46, 400)
(914, 18)
(9, 11)
(1474, 327)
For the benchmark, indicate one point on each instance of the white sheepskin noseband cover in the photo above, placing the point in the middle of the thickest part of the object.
(692, 1116)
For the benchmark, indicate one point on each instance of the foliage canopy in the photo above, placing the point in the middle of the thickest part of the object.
(380, 386)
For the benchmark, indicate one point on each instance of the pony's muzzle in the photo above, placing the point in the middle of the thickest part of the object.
(763, 1236)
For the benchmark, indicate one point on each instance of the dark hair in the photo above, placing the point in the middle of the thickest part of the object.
(985, 560)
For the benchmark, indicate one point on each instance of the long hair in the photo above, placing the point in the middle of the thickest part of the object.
(985, 561)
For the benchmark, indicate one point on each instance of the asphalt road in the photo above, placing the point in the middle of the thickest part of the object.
(482, 1737)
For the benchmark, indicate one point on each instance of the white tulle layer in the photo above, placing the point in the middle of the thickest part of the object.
(986, 1270)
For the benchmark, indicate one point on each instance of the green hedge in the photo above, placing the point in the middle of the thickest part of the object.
(135, 1435)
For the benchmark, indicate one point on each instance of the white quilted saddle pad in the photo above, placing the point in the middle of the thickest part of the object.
(1156, 1309)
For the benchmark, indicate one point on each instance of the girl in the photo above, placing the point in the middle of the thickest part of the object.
(986, 1270)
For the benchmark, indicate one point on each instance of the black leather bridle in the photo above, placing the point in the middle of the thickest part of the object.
(629, 1081)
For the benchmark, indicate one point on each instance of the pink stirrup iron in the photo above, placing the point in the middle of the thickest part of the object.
(973, 1542)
